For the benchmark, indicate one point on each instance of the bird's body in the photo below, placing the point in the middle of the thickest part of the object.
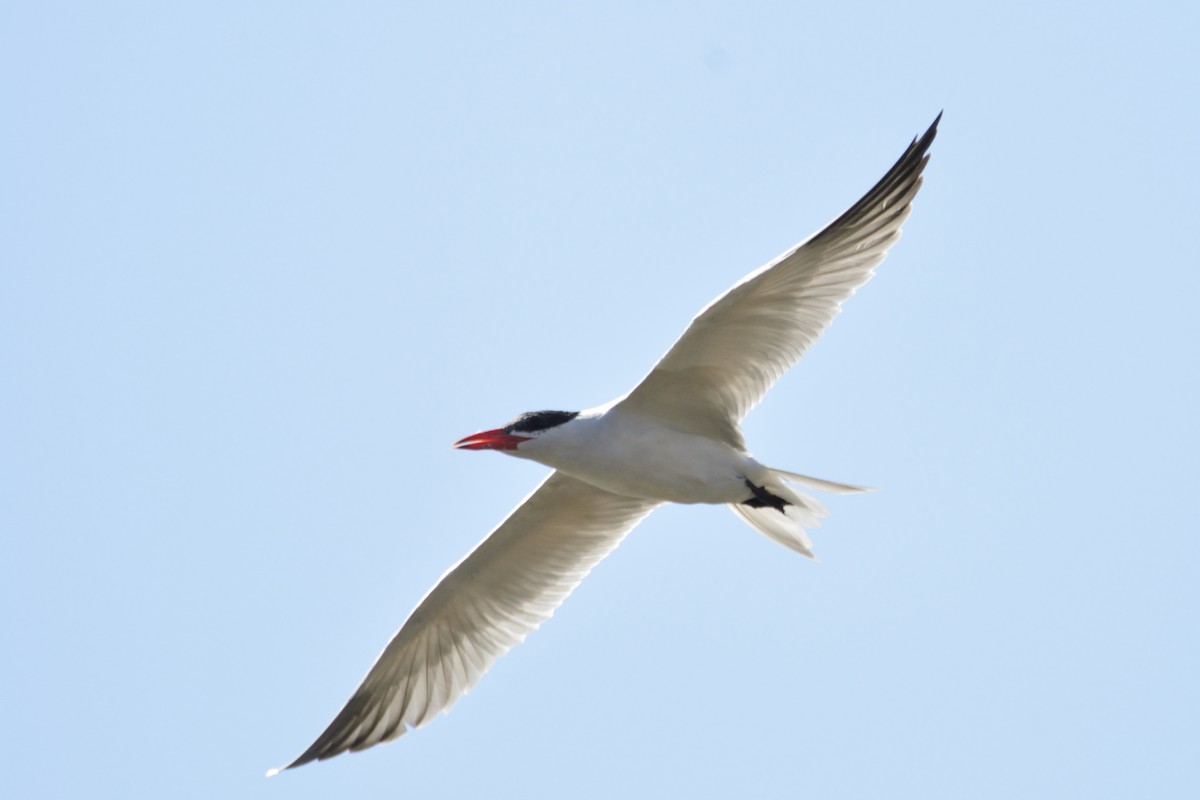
(674, 438)
(627, 453)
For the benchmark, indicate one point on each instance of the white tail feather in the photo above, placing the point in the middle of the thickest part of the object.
(821, 485)
(778, 526)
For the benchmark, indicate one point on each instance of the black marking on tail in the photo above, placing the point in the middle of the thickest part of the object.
(764, 499)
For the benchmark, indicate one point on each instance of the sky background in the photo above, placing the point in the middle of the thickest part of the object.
(262, 263)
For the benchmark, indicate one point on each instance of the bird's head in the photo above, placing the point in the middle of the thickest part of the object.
(524, 428)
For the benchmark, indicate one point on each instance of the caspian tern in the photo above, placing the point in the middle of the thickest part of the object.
(674, 438)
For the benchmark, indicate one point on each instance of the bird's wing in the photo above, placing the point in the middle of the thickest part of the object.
(506, 587)
(740, 344)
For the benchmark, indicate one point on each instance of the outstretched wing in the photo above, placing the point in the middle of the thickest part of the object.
(505, 588)
(742, 342)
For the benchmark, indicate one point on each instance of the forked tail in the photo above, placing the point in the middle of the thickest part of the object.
(778, 511)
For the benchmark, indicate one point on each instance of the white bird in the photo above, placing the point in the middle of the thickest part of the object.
(674, 438)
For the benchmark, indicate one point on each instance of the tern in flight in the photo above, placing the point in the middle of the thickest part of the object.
(675, 438)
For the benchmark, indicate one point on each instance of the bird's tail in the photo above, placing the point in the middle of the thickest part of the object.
(785, 513)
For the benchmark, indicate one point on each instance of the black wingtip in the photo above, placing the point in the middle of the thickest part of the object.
(906, 170)
(923, 141)
(927, 137)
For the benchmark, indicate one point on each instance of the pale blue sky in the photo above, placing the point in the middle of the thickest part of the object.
(260, 264)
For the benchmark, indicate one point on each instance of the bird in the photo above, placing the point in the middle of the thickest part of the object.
(674, 438)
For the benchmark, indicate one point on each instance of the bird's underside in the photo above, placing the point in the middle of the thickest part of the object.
(682, 421)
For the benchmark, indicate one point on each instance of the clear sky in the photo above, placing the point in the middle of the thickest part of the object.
(261, 263)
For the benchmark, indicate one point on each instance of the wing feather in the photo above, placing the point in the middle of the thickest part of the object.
(505, 588)
(741, 343)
